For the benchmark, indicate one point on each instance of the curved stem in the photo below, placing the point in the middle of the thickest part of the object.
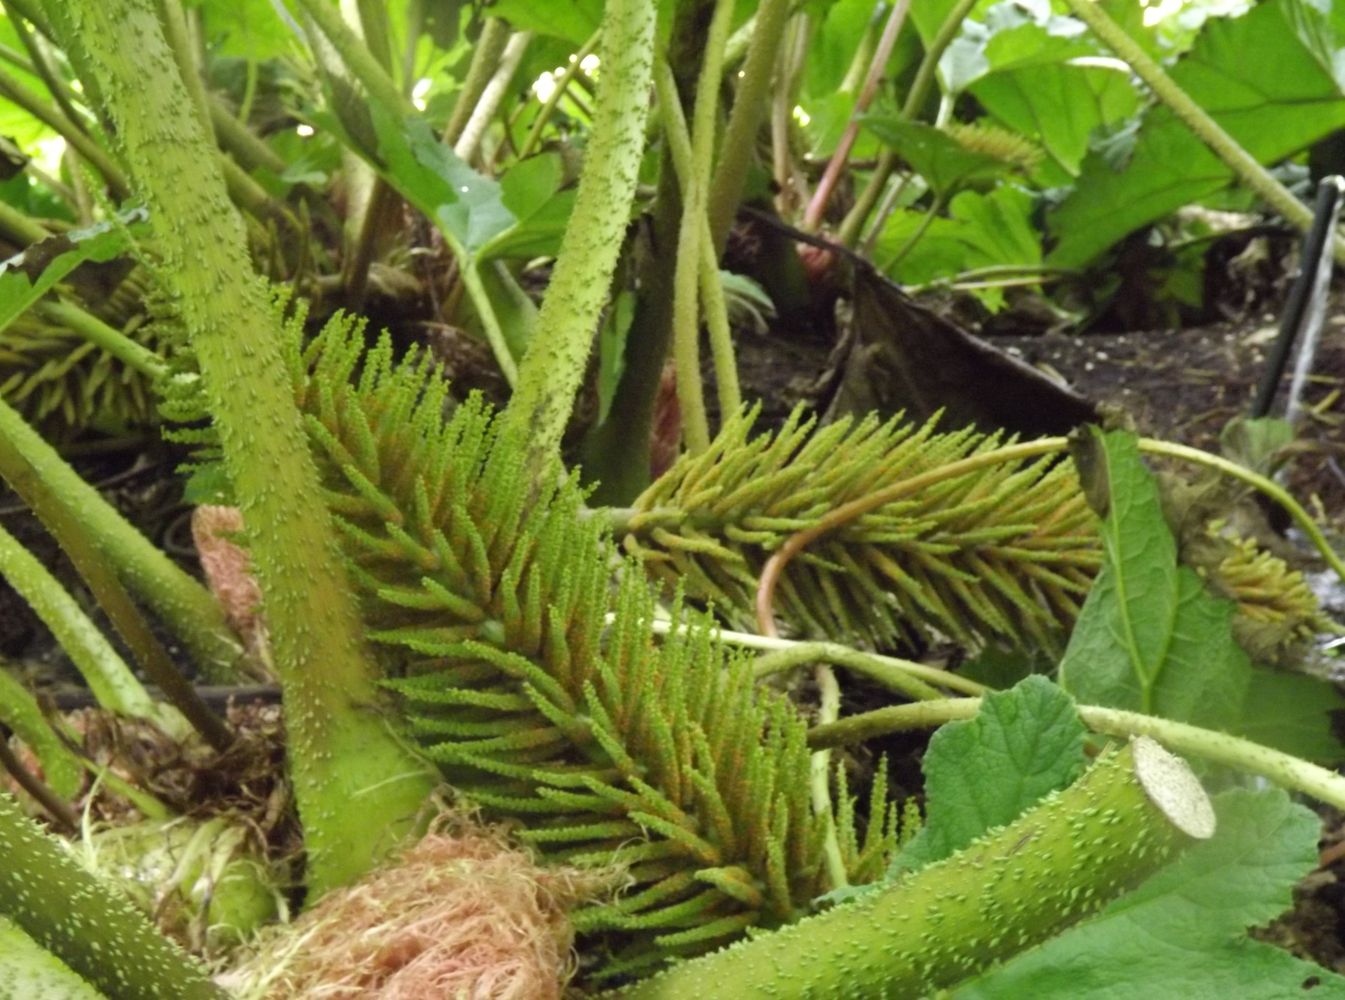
(548, 109)
(817, 207)
(485, 58)
(686, 316)
(1263, 484)
(1179, 737)
(770, 574)
(750, 106)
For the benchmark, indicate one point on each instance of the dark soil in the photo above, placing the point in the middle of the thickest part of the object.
(1186, 385)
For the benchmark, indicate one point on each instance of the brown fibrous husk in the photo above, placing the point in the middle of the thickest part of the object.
(462, 914)
(228, 571)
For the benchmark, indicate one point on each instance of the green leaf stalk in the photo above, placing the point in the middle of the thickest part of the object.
(106, 673)
(358, 788)
(554, 365)
(93, 928)
(180, 601)
(1284, 769)
(29, 970)
(1017, 886)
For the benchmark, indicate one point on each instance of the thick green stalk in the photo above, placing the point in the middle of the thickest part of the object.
(103, 669)
(562, 84)
(485, 57)
(1206, 129)
(358, 788)
(99, 572)
(29, 970)
(107, 338)
(695, 191)
(1021, 884)
(89, 925)
(79, 140)
(558, 353)
(750, 104)
(1218, 748)
(184, 605)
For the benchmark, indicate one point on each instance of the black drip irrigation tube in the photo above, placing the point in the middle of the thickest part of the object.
(1306, 307)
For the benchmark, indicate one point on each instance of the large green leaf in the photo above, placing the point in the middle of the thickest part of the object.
(521, 215)
(981, 230)
(1183, 932)
(1150, 638)
(1268, 77)
(531, 191)
(1012, 36)
(572, 20)
(468, 207)
(979, 774)
(938, 254)
(1058, 106)
(249, 29)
